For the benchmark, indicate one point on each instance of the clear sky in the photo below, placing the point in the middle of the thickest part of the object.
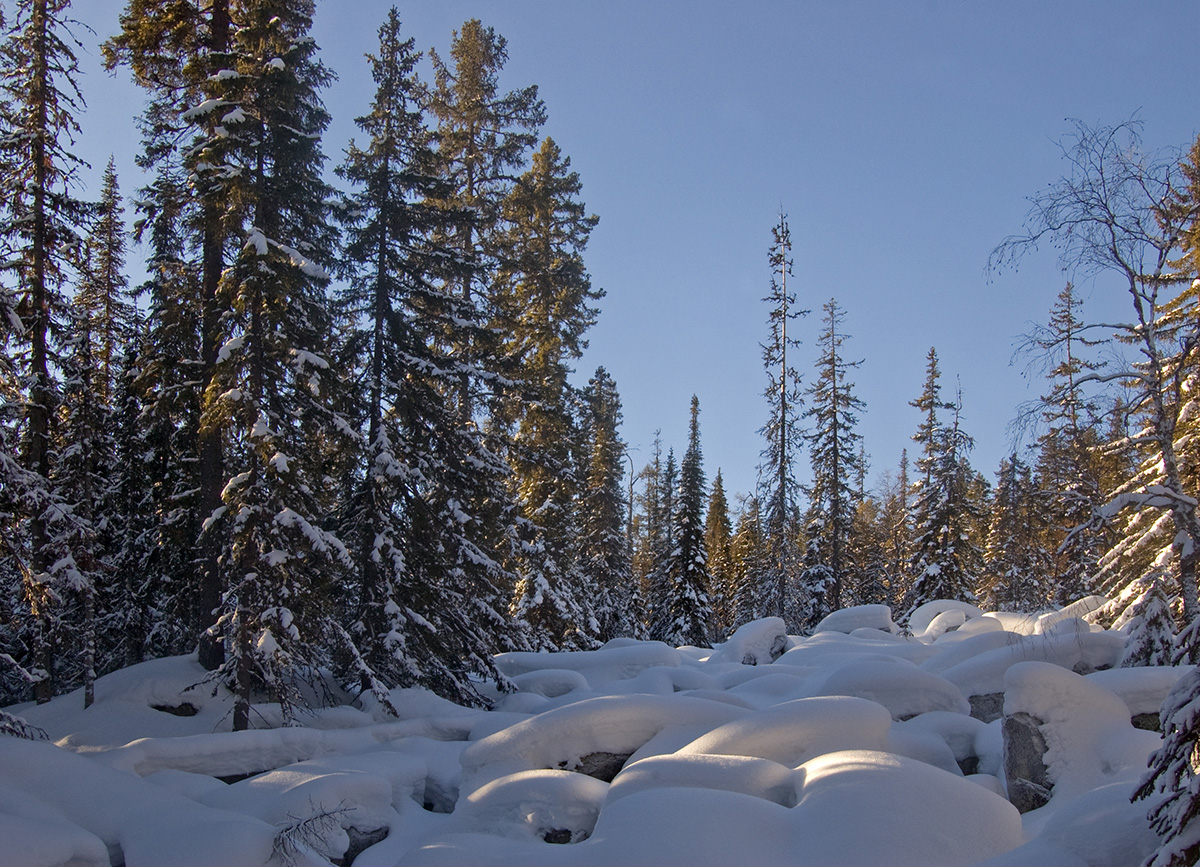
(901, 138)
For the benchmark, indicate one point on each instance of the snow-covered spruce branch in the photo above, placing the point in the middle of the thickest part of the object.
(1151, 497)
(16, 727)
(378, 689)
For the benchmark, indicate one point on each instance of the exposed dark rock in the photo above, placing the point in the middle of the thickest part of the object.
(1150, 722)
(230, 779)
(557, 835)
(988, 707)
(1029, 783)
(184, 709)
(603, 766)
(969, 765)
(360, 841)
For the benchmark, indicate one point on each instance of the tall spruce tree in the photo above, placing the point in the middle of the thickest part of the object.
(605, 554)
(750, 563)
(777, 480)
(484, 136)
(1068, 472)
(41, 227)
(183, 55)
(428, 609)
(543, 298)
(685, 610)
(274, 394)
(658, 580)
(834, 449)
(944, 563)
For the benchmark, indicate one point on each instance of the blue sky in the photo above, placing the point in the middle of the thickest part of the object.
(900, 138)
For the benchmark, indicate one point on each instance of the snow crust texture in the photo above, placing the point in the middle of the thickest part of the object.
(856, 745)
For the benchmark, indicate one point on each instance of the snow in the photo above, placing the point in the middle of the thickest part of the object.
(855, 746)
(858, 617)
(923, 616)
(900, 806)
(1090, 741)
(758, 642)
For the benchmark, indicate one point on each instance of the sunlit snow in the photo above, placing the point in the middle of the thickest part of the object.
(858, 745)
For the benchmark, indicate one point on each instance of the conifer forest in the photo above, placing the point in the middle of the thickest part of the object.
(337, 437)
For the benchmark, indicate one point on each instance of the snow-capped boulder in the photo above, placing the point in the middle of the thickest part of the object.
(1142, 688)
(1089, 739)
(864, 807)
(901, 687)
(1079, 609)
(569, 737)
(947, 621)
(1084, 653)
(795, 731)
(847, 620)
(761, 778)
(961, 735)
(922, 616)
(758, 642)
(549, 805)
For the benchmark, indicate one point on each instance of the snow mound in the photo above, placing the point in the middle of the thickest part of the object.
(613, 725)
(758, 642)
(1144, 688)
(1081, 652)
(903, 689)
(795, 731)
(138, 822)
(554, 806)
(847, 620)
(620, 662)
(862, 807)
(761, 778)
(922, 616)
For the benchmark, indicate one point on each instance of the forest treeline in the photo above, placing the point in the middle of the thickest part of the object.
(335, 430)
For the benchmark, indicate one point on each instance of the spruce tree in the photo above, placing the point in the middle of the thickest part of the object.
(543, 297)
(1150, 627)
(1068, 472)
(750, 563)
(834, 446)
(686, 607)
(183, 55)
(427, 609)
(483, 138)
(658, 592)
(605, 554)
(1017, 568)
(41, 226)
(944, 563)
(871, 578)
(274, 393)
(777, 482)
(718, 541)
(648, 519)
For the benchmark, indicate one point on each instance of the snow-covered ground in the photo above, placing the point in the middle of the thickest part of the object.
(855, 746)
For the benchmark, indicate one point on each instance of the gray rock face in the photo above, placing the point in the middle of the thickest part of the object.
(1029, 784)
(987, 708)
(603, 766)
(360, 841)
(1147, 721)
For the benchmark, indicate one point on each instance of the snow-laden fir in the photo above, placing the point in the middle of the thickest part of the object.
(860, 744)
